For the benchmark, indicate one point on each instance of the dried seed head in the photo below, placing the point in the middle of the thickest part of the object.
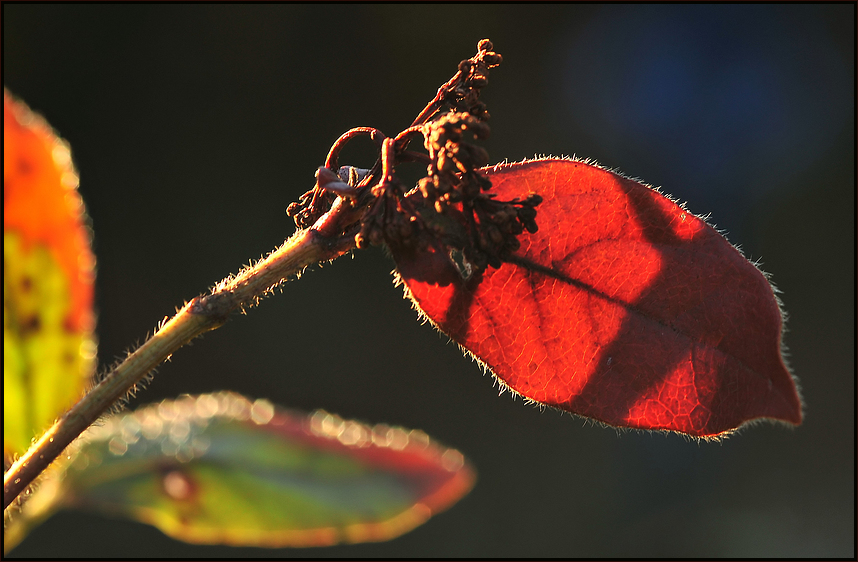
(449, 205)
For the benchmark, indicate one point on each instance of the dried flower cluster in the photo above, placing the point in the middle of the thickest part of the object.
(483, 229)
(452, 206)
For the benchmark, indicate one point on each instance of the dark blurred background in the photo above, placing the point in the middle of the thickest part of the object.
(194, 126)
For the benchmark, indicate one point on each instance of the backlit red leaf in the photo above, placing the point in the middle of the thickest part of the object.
(623, 307)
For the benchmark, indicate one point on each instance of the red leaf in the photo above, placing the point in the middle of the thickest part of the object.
(623, 307)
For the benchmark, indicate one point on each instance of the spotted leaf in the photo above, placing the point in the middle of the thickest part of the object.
(218, 468)
(48, 276)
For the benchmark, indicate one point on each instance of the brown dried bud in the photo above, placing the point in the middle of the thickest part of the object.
(470, 189)
(533, 199)
(480, 128)
(504, 215)
(441, 185)
(478, 81)
(495, 235)
(479, 156)
(526, 214)
(453, 196)
(492, 59)
(427, 187)
(445, 163)
(481, 112)
(485, 45)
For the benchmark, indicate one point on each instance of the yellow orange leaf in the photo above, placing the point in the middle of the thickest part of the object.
(48, 279)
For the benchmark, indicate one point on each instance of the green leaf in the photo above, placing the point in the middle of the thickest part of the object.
(218, 468)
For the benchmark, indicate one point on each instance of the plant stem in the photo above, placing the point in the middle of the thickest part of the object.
(324, 241)
(35, 511)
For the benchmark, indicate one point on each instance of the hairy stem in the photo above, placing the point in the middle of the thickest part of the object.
(324, 241)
